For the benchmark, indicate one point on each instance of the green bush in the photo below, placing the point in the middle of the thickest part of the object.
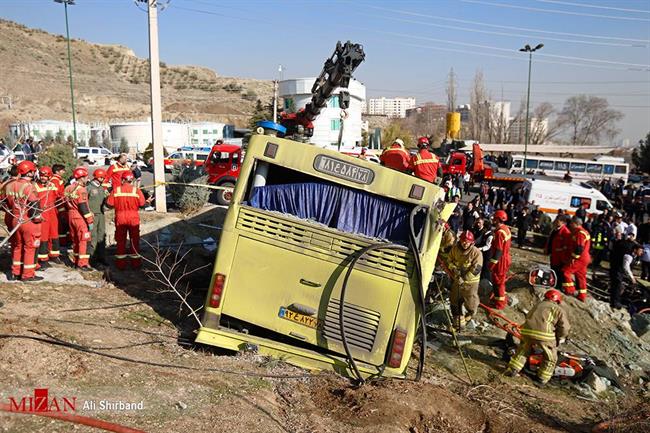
(59, 154)
(190, 199)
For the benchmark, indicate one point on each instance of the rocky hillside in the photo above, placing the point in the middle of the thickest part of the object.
(111, 83)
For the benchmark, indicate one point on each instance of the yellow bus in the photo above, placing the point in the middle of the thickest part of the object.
(314, 265)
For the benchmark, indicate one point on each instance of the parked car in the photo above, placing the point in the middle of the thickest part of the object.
(94, 155)
(197, 156)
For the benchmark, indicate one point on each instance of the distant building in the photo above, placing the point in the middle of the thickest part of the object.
(431, 110)
(42, 129)
(518, 128)
(205, 133)
(327, 126)
(391, 107)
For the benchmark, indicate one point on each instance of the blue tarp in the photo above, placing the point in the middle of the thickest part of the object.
(336, 206)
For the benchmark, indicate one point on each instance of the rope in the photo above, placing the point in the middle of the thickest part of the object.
(226, 188)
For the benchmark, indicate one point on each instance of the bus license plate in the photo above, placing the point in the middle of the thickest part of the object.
(285, 313)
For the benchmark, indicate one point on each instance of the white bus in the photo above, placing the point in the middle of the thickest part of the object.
(603, 167)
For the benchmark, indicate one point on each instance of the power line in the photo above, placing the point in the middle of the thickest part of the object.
(479, 23)
(556, 11)
(585, 5)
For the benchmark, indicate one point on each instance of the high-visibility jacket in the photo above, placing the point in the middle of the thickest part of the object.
(47, 195)
(77, 203)
(601, 237)
(126, 200)
(500, 252)
(425, 165)
(114, 174)
(21, 199)
(558, 246)
(396, 157)
(546, 322)
(579, 245)
(466, 263)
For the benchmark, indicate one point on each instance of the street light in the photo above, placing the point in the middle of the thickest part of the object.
(530, 51)
(67, 32)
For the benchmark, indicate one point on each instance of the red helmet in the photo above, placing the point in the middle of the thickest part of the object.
(45, 172)
(501, 215)
(423, 141)
(127, 176)
(553, 295)
(100, 173)
(467, 236)
(80, 172)
(25, 167)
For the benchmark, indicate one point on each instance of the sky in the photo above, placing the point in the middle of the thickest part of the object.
(594, 47)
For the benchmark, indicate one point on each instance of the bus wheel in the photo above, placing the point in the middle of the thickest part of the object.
(224, 196)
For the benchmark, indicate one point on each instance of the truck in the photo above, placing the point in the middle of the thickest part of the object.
(223, 166)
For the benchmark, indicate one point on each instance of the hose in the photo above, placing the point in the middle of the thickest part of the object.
(77, 419)
(415, 249)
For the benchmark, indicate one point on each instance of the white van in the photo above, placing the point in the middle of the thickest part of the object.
(94, 155)
(551, 196)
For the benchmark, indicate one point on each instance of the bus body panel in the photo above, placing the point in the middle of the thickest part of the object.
(583, 169)
(273, 262)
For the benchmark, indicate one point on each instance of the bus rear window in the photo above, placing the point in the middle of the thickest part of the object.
(333, 205)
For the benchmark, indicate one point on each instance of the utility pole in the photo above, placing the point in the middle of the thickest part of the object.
(156, 110)
(530, 51)
(275, 101)
(67, 33)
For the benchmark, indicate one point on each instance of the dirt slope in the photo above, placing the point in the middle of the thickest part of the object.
(111, 83)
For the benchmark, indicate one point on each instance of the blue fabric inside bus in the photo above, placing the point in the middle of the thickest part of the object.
(345, 209)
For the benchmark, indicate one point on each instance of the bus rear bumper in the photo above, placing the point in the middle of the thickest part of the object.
(300, 357)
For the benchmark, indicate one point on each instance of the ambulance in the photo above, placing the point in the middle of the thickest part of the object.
(551, 196)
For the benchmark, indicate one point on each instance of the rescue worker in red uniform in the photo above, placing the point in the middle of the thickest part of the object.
(126, 200)
(579, 260)
(80, 218)
(116, 171)
(546, 327)
(13, 175)
(558, 246)
(425, 164)
(23, 205)
(58, 171)
(500, 261)
(396, 157)
(47, 195)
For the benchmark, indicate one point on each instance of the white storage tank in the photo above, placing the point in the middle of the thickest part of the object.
(138, 135)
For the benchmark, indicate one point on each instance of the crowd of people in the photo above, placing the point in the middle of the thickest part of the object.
(45, 213)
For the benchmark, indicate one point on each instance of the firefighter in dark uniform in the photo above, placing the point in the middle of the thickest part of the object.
(96, 196)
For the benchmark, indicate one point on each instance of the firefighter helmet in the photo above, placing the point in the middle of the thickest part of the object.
(553, 295)
(100, 173)
(423, 142)
(25, 167)
(45, 172)
(501, 215)
(467, 236)
(399, 142)
(80, 172)
(127, 176)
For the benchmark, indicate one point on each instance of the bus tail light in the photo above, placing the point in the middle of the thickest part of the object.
(217, 290)
(397, 348)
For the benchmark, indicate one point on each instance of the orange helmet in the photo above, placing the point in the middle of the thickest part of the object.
(80, 172)
(25, 167)
(100, 173)
(45, 172)
(554, 296)
(467, 236)
(127, 176)
(501, 215)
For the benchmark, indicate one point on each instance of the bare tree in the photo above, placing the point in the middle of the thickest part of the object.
(588, 119)
(451, 91)
(480, 116)
(543, 127)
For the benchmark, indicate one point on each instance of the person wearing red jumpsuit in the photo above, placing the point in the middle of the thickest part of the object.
(80, 218)
(116, 171)
(578, 261)
(13, 175)
(23, 205)
(500, 261)
(58, 171)
(126, 199)
(558, 247)
(47, 195)
(425, 164)
(396, 157)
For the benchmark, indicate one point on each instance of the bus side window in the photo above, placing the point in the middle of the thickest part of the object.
(578, 167)
(594, 168)
(621, 169)
(561, 165)
(545, 165)
(608, 169)
(579, 201)
(517, 163)
(531, 163)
